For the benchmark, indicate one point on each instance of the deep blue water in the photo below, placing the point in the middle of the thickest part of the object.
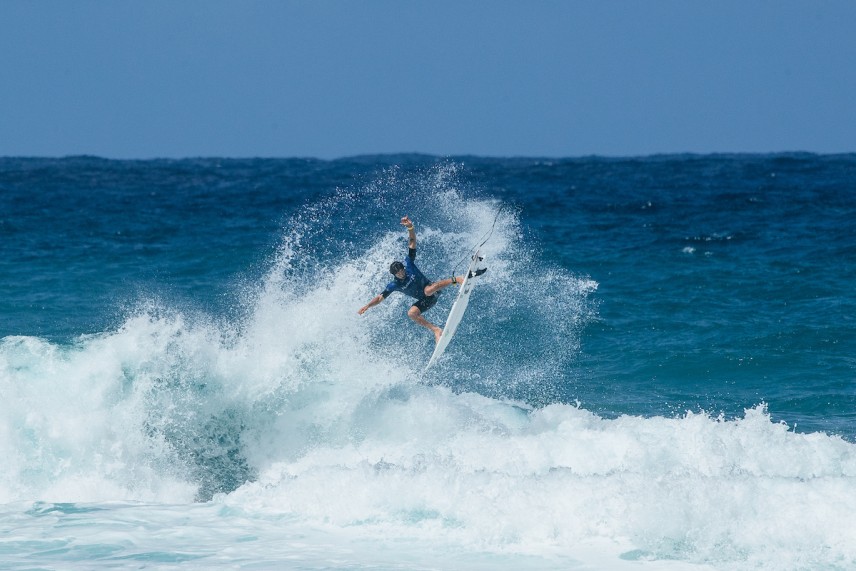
(205, 301)
(724, 281)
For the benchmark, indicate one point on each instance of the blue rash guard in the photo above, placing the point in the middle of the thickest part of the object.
(413, 284)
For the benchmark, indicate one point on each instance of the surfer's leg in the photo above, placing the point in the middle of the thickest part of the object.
(416, 315)
(433, 288)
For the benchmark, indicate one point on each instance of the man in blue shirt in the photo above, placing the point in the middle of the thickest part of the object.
(410, 281)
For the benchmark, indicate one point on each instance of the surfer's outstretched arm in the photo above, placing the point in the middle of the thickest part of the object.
(375, 300)
(411, 233)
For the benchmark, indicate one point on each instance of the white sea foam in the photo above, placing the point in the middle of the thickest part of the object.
(305, 420)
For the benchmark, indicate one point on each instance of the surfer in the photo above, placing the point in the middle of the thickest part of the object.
(410, 281)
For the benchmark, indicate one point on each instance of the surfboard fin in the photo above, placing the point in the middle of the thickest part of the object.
(478, 272)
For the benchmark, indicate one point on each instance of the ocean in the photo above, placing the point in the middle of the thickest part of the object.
(657, 371)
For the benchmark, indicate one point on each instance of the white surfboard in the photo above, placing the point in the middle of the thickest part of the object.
(457, 311)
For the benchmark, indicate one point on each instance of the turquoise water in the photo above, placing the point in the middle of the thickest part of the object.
(657, 369)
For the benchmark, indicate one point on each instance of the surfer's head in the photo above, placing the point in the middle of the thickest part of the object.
(397, 269)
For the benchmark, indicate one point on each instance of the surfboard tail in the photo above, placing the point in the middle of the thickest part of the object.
(458, 308)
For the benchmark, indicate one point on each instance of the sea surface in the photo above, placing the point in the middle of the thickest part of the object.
(658, 370)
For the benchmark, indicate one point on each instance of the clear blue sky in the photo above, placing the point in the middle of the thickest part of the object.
(316, 78)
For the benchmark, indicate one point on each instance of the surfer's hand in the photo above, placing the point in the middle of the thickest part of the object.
(406, 221)
(375, 300)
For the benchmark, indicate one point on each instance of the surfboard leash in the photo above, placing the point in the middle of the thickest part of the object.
(483, 242)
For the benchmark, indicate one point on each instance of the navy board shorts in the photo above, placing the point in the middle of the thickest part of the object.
(426, 303)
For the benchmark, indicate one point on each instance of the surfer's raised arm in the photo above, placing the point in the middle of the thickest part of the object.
(411, 233)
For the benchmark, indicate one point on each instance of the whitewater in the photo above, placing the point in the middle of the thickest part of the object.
(291, 433)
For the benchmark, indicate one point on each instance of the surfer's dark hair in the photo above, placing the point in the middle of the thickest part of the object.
(395, 267)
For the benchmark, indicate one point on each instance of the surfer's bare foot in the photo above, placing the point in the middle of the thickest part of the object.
(437, 333)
